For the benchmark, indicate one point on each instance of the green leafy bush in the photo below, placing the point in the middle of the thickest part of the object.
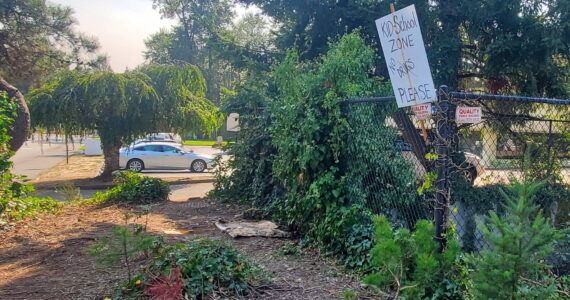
(313, 139)
(134, 189)
(520, 241)
(251, 179)
(410, 262)
(195, 269)
(16, 202)
(18, 208)
(298, 157)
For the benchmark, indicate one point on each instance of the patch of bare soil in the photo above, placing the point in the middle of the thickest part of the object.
(46, 258)
(81, 171)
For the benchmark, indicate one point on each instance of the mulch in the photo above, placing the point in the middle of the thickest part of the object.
(46, 258)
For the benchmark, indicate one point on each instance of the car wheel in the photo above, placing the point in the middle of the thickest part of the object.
(198, 166)
(135, 165)
(470, 173)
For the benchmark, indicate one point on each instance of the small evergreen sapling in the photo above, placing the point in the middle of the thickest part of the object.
(520, 241)
(410, 263)
(123, 246)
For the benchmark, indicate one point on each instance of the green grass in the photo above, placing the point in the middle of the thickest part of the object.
(204, 143)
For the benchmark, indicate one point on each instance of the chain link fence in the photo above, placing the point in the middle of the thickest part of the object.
(453, 173)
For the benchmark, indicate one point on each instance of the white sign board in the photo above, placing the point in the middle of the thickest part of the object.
(233, 122)
(405, 55)
(464, 114)
(422, 111)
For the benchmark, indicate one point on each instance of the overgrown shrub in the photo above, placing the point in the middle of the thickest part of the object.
(195, 269)
(410, 264)
(296, 152)
(16, 202)
(251, 179)
(133, 188)
(312, 137)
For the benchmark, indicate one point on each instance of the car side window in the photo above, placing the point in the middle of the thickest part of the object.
(170, 149)
(139, 149)
(153, 148)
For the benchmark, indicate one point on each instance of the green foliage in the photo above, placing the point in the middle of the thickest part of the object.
(411, 264)
(299, 158)
(509, 46)
(38, 38)
(312, 138)
(7, 114)
(205, 36)
(16, 202)
(251, 180)
(182, 90)
(16, 208)
(377, 172)
(200, 267)
(563, 287)
(428, 183)
(289, 249)
(520, 241)
(70, 192)
(123, 107)
(133, 188)
(349, 295)
(126, 244)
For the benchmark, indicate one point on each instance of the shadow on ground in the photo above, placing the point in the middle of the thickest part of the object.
(46, 258)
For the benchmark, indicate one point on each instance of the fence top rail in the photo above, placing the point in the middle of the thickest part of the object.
(469, 96)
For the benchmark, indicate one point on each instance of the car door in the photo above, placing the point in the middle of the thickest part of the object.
(152, 156)
(174, 158)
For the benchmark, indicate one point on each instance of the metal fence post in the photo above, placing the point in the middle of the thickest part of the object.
(443, 143)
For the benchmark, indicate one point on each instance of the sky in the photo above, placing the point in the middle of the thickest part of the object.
(120, 26)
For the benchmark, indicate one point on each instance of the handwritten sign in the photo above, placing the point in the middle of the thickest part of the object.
(403, 48)
(422, 111)
(233, 122)
(464, 114)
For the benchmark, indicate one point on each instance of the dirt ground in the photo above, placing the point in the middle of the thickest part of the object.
(46, 258)
(81, 171)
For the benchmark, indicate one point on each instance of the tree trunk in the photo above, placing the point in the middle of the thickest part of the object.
(21, 126)
(111, 158)
(411, 136)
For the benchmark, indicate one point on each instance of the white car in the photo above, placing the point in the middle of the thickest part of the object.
(162, 156)
(164, 137)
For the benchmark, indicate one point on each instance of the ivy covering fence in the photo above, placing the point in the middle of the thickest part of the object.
(317, 153)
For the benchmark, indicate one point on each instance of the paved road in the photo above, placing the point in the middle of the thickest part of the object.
(30, 161)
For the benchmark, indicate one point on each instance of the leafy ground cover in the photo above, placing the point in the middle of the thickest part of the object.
(46, 257)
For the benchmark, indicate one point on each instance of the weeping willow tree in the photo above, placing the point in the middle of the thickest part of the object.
(123, 107)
